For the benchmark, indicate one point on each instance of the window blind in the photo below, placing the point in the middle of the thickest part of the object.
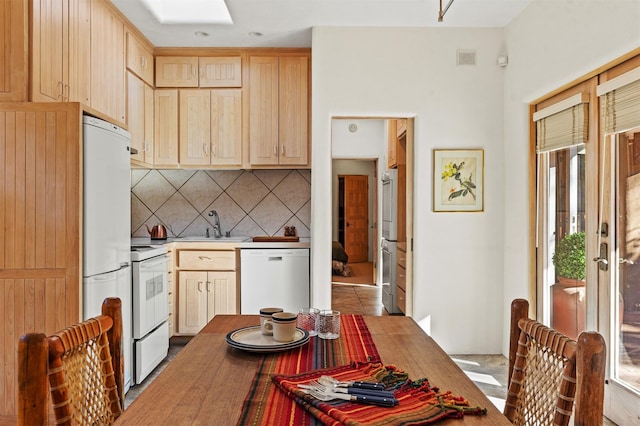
(620, 102)
(562, 125)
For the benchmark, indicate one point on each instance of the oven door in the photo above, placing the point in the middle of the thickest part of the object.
(150, 295)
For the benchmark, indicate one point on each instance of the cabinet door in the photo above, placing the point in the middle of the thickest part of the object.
(135, 115)
(226, 127)
(50, 50)
(392, 144)
(107, 62)
(78, 87)
(293, 111)
(221, 293)
(139, 59)
(140, 118)
(14, 65)
(176, 71)
(263, 110)
(165, 152)
(192, 301)
(220, 71)
(195, 127)
(149, 124)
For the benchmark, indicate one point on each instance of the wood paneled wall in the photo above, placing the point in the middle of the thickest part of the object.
(40, 227)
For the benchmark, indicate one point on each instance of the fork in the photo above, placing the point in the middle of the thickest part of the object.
(364, 399)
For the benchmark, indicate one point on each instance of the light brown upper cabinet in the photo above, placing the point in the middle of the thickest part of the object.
(107, 62)
(193, 71)
(165, 116)
(61, 65)
(278, 110)
(396, 131)
(140, 119)
(211, 127)
(139, 58)
(14, 36)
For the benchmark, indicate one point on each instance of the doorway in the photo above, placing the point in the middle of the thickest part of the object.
(354, 232)
(367, 140)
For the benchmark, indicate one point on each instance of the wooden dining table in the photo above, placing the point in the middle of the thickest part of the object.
(209, 379)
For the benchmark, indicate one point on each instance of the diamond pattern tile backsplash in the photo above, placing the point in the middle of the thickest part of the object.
(249, 203)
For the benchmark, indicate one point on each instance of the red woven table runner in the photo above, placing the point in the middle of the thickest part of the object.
(419, 403)
(275, 399)
(265, 404)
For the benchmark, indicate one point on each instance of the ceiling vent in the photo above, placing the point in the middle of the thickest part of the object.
(466, 57)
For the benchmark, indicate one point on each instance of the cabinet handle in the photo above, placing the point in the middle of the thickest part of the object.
(200, 286)
(213, 149)
(195, 73)
(205, 148)
(66, 89)
(204, 258)
(208, 286)
(60, 90)
(275, 150)
(282, 150)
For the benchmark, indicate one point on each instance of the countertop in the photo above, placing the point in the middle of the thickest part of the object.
(212, 243)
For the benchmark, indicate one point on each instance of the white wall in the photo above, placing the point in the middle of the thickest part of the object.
(412, 72)
(469, 266)
(577, 38)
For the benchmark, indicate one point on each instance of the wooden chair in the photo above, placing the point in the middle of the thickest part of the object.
(84, 367)
(548, 370)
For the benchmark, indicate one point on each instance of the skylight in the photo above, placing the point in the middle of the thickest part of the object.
(189, 11)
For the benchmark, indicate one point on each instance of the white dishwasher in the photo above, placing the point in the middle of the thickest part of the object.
(274, 277)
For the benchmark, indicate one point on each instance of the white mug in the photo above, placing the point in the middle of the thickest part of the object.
(266, 326)
(284, 326)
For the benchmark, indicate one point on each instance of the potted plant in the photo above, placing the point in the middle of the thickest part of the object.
(568, 314)
(570, 259)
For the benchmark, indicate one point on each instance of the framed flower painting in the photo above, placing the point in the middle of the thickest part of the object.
(458, 180)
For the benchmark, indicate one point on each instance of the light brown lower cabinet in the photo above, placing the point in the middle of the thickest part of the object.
(206, 287)
(40, 227)
(203, 294)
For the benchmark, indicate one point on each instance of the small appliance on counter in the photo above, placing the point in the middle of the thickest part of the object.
(158, 232)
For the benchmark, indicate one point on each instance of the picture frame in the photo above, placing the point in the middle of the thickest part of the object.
(458, 180)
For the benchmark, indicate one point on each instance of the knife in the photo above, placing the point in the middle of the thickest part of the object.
(351, 391)
(330, 381)
(363, 399)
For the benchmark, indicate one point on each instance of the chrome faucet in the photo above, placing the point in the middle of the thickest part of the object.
(217, 230)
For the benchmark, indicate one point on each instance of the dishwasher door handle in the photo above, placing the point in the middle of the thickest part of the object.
(273, 258)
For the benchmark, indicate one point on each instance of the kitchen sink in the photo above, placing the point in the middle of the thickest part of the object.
(233, 239)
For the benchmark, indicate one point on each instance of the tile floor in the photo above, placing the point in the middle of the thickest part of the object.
(489, 372)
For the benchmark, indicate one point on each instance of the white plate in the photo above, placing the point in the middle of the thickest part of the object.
(251, 339)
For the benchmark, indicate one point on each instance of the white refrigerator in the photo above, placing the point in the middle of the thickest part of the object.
(107, 224)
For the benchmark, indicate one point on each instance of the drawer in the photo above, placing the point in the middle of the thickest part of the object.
(207, 260)
(401, 299)
(401, 278)
(401, 258)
